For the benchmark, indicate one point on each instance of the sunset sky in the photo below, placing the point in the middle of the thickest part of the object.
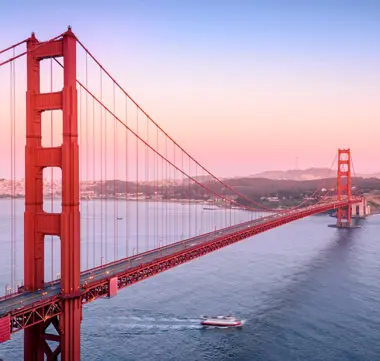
(244, 86)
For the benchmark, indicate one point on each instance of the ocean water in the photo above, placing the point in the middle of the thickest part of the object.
(306, 292)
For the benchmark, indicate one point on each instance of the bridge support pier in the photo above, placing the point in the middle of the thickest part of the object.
(70, 322)
(344, 225)
(39, 223)
(32, 343)
(36, 344)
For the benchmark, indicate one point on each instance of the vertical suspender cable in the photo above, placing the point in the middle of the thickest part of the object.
(196, 197)
(94, 182)
(12, 174)
(106, 190)
(175, 196)
(51, 172)
(80, 140)
(147, 188)
(167, 186)
(126, 180)
(182, 197)
(87, 175)
(156, 192)
(164, 197)
(101, 170)
(115, 181)
(137, 182)
(189, 196)
(14, 171)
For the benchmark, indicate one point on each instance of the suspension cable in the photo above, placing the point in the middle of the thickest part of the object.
(13, 46)
(30, 50)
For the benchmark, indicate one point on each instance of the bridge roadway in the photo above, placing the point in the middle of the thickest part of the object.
(24, 299)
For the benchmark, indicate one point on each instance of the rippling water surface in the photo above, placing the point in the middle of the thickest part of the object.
(306, 291)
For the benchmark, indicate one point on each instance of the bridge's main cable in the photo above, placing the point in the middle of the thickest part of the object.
(13, 46)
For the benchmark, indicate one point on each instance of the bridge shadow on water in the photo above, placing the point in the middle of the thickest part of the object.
(328, 261)
(295, 321)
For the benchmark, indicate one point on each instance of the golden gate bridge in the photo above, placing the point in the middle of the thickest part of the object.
(81, 123)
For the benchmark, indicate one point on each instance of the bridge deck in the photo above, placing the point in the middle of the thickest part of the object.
(98, 278)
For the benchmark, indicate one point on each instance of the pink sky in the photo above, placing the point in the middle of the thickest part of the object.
(237, 107)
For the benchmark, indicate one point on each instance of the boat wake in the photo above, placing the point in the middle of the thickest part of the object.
(140, 324)
(147, 322)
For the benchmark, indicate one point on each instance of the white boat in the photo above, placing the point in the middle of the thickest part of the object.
(221, 321)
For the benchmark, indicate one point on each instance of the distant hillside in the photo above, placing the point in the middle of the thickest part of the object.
(292, 192)
(305, 174)
(375, 175)
(269, 187)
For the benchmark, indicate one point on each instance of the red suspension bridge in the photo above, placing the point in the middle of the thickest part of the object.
(144, 198)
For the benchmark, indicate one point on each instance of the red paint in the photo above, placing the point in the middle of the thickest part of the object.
(5, 331)
(70, 219)
(343, 187)
(112, 287)
(39, 223)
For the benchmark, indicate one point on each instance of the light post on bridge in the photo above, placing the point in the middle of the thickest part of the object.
(160, 245)
(130, 258)
(183, 241)
(8, 290)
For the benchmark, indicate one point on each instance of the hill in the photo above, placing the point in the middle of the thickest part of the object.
(305, 174)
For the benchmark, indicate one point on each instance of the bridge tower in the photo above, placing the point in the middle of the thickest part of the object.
(344, 187)
(38, 223)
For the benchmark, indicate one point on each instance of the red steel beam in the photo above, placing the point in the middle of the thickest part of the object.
(5, 332)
